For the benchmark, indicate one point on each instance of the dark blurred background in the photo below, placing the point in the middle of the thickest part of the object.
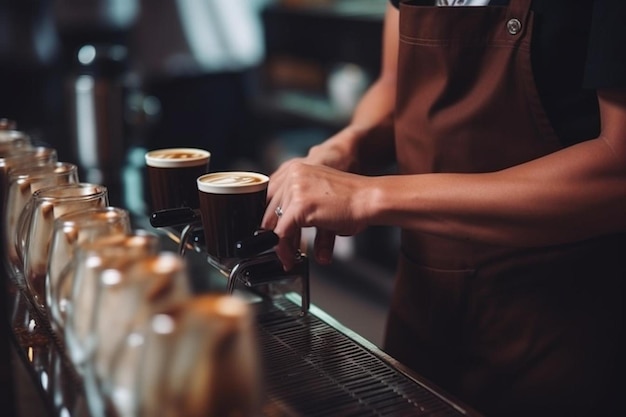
(253, 81)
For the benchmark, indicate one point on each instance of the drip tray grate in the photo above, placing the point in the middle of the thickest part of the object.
(313, 369)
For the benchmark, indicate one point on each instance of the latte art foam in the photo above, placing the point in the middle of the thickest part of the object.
(232, 182)
(177, 157)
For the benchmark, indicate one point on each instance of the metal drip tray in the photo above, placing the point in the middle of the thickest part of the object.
(314, 367)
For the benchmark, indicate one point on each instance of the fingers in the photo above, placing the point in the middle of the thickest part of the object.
(287, 212)
(323, 246)
(277, 179)
(274, 207)
(288, 252)
(289, 233)
(278, 218)
(274, 196)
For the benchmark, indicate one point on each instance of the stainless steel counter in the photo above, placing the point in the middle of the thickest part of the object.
(312, 365)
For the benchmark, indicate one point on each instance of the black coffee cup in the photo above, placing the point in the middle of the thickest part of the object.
(172, 175)
(232, 205)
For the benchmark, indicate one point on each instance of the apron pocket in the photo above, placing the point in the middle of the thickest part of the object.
(425, 328)
(431, 301)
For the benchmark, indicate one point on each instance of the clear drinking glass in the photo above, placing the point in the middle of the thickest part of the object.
(16, 158)
(36, 225)
(22, 157)
(198, 358)
(109, 300)
(114, 252)
(12, 141)
(70, 231)
(23, 182)
(150, 286)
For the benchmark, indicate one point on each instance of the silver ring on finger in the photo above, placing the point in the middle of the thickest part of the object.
(278, 211)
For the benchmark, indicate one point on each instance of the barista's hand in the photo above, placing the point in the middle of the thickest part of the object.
(333, 201)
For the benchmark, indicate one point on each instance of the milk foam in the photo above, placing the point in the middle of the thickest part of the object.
(232, 182)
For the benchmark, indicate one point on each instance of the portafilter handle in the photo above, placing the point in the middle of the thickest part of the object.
(261, 241)
(175, 217)
(182, 216)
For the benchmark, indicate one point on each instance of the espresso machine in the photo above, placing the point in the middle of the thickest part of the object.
(255, 265)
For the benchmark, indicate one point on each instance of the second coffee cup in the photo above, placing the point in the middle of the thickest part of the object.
(172, 174)
(232, 205)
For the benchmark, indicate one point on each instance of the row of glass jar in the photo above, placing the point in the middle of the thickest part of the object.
(141, 341)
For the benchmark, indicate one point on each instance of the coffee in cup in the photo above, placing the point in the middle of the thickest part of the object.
(232, 205)
(172, 175)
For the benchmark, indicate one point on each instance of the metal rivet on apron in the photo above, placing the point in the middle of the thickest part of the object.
(514, 26)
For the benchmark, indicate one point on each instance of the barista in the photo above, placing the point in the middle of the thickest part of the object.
(508, 127)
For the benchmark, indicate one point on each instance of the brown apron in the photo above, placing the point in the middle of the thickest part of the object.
(512, 332)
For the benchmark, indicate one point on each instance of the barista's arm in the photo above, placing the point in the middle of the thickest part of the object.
(367, 142)
(573, 194)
